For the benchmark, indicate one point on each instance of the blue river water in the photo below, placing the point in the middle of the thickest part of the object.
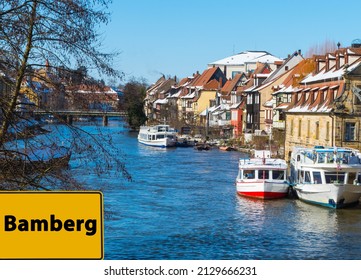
(182, 204)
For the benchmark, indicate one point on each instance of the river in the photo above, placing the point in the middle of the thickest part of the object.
(182, 204)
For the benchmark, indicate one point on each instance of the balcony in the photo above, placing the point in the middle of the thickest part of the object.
(219, 122)
(279, 124)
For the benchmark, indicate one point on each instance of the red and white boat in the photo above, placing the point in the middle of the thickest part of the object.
(262, 176)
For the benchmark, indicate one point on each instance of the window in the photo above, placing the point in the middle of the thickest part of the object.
(256, 98)
(282, 116)
(327, 131)
(234, 115)
(307, 177)
(357, 97)
(299, 127)
(335, 92)
(291, 127)
(263, 174)
(228, 115)
(332, 177)
(351, 178)
(350, 131)
(248, 174)
(317, 130)
(308, 128)
(278, 175)
(317, 179)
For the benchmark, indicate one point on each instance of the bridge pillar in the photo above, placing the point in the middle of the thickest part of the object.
(105, 120)
(69, 119)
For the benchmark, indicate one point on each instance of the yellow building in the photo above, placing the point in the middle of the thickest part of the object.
(205, 98)
(326, 107)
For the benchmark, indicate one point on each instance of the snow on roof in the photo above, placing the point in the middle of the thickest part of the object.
(189, 95)
(332, 74)
(282, 106)
(284, 89)
(161, 101)
(246, 57)
(268, 103)
(235, 106)
(208, 110)
(250, 89)
(267, 58)
(323, 75)
(176, 95)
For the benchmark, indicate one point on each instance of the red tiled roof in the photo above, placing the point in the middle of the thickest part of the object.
(206, 76)
(231, 84)
(213, 84)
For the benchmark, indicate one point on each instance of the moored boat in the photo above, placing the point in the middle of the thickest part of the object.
(328, 177)
(157, 136)
(227, 148)
(262, 177)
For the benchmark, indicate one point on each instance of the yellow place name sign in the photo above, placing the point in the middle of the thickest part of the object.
(51, 225)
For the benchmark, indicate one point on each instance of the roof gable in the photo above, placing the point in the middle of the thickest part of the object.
(208, 75)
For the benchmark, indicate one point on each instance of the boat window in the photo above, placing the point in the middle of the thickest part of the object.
(334, 177)
(153, 137)
(263, 174)
(160, 136)
(321, 158)
(351, 177)
(149, 137)
(344, 157)
(329, 157)
(354, 159)
(278, 175)
(248, 174)
(317, 179)
(307, 177)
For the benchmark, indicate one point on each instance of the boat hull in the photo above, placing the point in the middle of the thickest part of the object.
(263, 190)
(163, 143)
(161, 136)
(331, 195)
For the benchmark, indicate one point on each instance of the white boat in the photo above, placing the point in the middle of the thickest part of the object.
(262, 176)
(158, 136)
(326, 176)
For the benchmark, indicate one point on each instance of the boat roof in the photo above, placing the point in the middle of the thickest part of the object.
(259, 163)
(321, 149)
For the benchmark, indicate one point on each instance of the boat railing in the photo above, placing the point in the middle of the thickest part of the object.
(261, 161)
(329, 157)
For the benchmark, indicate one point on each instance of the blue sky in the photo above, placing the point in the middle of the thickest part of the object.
(181, 37)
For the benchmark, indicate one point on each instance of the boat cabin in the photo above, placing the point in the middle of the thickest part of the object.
(326, 166)
(328, 177)
(257, 174)
(262, 169)
(328, 156)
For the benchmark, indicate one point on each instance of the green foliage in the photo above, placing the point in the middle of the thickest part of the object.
(133, 102)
